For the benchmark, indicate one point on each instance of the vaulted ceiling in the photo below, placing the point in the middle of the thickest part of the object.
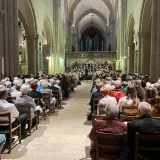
(84, 13)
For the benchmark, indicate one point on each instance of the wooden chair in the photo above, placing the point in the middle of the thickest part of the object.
(26, 109)
(46, 98)
(7, 121)
(130, 110)
(124, 118)
(120, 140)
(43, 110)
(146, 138)
(56, 95)
(97, 117)
(95, 104)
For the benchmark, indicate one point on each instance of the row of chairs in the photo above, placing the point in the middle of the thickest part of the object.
(122, 138)
(26, 109)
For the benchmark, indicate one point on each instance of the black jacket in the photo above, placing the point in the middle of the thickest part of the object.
(144, 125)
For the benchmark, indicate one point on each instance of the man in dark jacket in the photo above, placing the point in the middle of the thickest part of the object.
(144, 125)
(96, 94)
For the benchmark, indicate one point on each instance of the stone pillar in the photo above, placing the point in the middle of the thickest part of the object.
(1, 44)
(46, 57)
(69, 41)
(131, 59)
(10, 38)
(154, 38)
(157, 60)
(32, 46)
(113, 46)
(145, 52)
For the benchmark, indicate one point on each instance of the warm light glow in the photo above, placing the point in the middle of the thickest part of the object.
(47, 58)
(125, 57)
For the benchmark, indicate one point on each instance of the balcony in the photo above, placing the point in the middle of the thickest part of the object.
(81, 55)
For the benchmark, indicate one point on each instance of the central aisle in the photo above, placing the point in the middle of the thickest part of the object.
(62, 136)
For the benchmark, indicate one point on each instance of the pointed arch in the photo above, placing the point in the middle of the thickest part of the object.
(88, 12)
(77, 2)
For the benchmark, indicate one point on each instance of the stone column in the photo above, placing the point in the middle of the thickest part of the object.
(157, 60)
(10, 38)
(32, 46)
(131, 59)
(69, 41)
(154, 38)
(145, 52)
(113, 46)
(1, 44)
(46, 55)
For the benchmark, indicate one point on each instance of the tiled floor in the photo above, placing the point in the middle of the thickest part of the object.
(62, 136)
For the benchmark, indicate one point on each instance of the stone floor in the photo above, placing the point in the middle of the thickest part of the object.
(62, 136)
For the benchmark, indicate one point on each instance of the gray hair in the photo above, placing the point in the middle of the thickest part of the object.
(8, 84)
(53, 82)
(144, 108)
(2, 87)
(24, 89)
(18, 86)
(118, 83)
(45, 84)
(111, 110)
(57, 82)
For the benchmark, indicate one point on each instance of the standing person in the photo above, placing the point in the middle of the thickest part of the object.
(64, 86)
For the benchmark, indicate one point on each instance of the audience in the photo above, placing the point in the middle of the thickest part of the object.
(109, 125)
(144, 125)
(8, 107)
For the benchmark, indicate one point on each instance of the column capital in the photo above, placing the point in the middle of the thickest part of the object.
(29, 37)
(2, 15)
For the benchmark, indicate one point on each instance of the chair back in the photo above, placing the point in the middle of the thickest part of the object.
(113, 146)
(97, 117)
(46, 98)
(24, 108)
(55, 94)
(146, 144)
(128, 118)
(95, 104)
(130, 110)
(36, 100)
(6, 119)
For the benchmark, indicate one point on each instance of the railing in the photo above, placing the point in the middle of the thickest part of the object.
(91, 55)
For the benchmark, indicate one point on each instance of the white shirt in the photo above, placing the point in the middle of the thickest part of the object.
(8, 107)
(124, 101)
(59, 89)
(16, 93)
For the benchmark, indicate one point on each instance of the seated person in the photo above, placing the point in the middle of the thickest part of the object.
(9, 107)
(35, 94)
(97, 94)
(53, 88)
(16, 92)
(25, 99)
(117, 92)
(107, 99)
(144, 125)
(2, 141)
(109, 125)
(47, 90)
(59, 88)
(129, 99)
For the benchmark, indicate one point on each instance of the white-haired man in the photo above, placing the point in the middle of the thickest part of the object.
(8, 87)
(144, 125)
(110, 124)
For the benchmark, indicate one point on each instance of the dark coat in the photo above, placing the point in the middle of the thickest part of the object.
(144, 125)
(95, 95)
